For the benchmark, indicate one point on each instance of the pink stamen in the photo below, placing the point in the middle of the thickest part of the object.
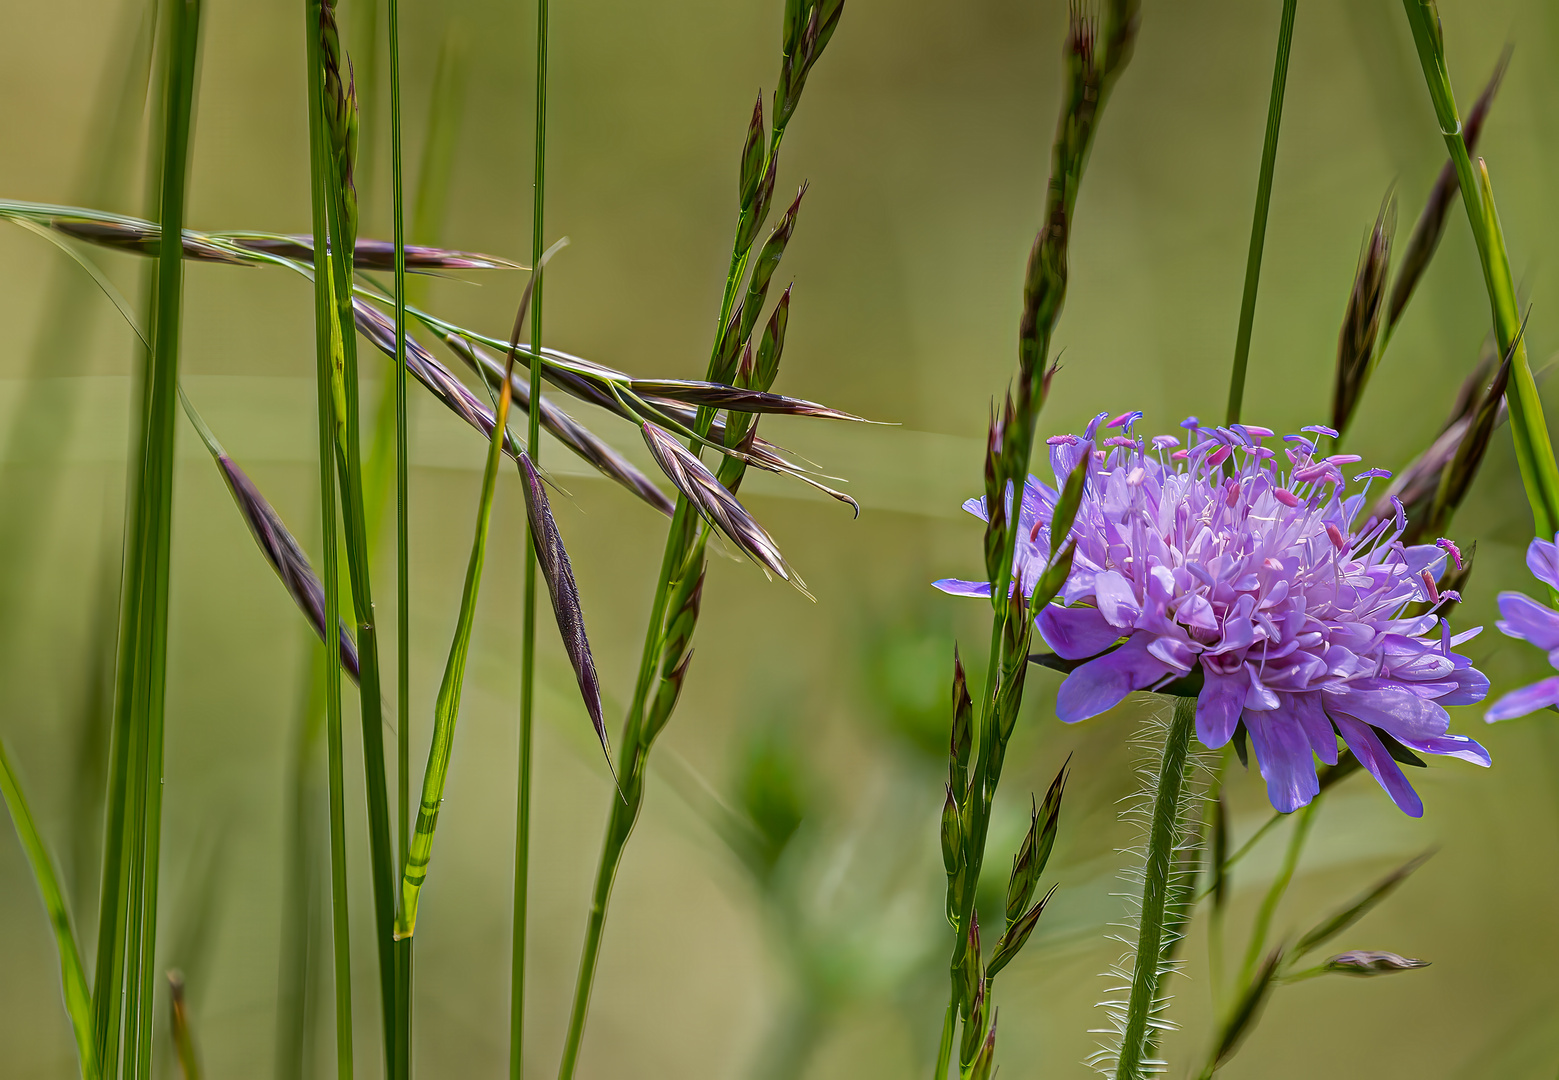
(1450, 546)
(1286, 497)
(1336, 536)
(1434, 590)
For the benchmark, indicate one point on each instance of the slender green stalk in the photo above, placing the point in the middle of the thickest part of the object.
(1529, 430)
(1269, 904)
(1163, 833)
(327, 335)
(401, 1056)
(128, 923)
(528, 612)
(339, 109)
(73, 976)
(1258, 225)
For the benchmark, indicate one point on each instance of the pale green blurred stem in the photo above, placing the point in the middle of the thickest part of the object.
(1529, 430)
(1162, 835)
(1269, 904)
(1258, 225)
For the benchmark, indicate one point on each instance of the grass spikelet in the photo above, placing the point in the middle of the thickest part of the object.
(1362, 319)
(715, 504)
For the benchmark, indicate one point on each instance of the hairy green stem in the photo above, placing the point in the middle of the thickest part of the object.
(1258, 225)
(1163, 833)
(522, 812)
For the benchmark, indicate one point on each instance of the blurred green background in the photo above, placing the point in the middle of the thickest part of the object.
(811, 942)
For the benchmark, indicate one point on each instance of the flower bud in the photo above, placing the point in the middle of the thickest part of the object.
(952, 841)
(1364, 964)
(752, 158)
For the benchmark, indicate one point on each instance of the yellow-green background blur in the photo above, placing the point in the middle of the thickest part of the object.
(925, 135)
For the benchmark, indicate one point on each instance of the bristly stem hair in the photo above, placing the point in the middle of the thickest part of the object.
(1258, 225)
(522, 813)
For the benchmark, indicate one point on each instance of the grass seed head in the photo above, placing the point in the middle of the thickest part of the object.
(1362, 319)
(1363, 963)
(556, 569)
(752, 158)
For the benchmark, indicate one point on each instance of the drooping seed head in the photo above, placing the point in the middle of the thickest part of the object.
(1363, 963)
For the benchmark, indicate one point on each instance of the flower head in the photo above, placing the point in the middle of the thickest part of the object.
(1240, 567)
(1527, 620)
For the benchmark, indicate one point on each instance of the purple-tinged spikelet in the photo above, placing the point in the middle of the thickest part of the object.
(1253, 579)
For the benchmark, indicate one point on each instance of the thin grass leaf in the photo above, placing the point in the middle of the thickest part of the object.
(714, 503)
(1362, 905)
(558, 573)
(446, 709)
(73, 977)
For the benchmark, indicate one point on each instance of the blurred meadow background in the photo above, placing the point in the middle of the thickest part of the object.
(780, 911)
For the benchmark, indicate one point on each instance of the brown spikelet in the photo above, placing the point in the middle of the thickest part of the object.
(285, 555)
(570, 432)
(714, 503)
(1362, 319)
(559, 575)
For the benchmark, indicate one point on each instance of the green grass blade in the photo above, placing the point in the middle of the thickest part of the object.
(1529, 430)
(73, 977)
(1258, 225)
(528, 611)
(446, 709)
(327, 335)
(152, 528)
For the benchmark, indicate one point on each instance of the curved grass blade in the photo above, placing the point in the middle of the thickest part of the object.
(446, 710)
(1343, 918)
(73, 977)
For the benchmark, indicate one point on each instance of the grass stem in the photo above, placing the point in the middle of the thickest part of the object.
(528, 613)
(1258, 225)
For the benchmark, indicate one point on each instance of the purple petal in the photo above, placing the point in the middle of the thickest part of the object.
(1457, 746)
(1102, 684)
(959, 587)
(1543, 561)
(1075, 633)
(1527, 620)
(1219, 705)
(1318, 729)
(1396, 710)
(1283, 753)
(1116, 601)
(1528, 699)
(1367, 747)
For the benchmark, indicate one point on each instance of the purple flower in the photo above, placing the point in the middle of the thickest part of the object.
(1527, 620)
(1253, 577)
